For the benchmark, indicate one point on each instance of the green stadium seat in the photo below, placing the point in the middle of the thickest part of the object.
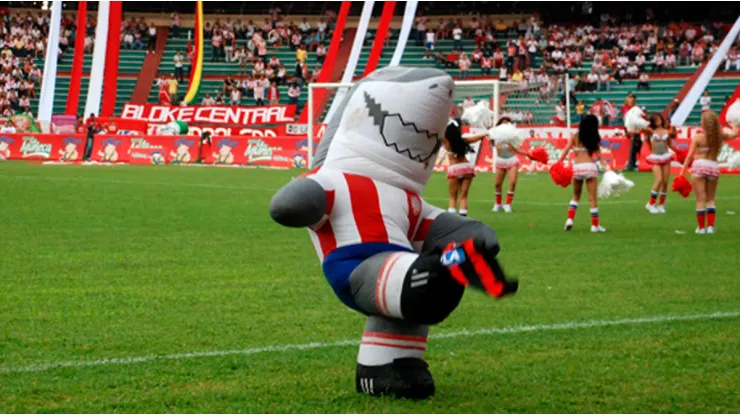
(718, 88)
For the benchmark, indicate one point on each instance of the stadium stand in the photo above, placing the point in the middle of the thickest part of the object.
(22, 46)
(573, 48)
(608, 52)
(720, 89)
(386, 54)
(479, 37)
(130, 63)
(281, 44)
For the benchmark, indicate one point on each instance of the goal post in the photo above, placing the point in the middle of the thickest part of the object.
(524, 103)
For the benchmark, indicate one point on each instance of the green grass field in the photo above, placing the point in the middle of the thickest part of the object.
(169, 289)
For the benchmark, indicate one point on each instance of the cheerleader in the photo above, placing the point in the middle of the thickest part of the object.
(585, 145)
(507, 162)
(705, 170)
(659, 143)
(460, 172)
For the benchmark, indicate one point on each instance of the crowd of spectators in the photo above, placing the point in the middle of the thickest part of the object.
(260, 73)
(23, 43)
(536, 55)
(137, 35)
(732, 60)
(274, 32)
(618, 51)
(22, 40)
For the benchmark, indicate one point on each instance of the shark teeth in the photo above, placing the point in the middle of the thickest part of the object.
(384, 120)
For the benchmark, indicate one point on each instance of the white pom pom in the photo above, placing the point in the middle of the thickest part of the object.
(506, 133)
(613, 184)
(733, 113)
(479, 115)
(734, 161)
(634, 120)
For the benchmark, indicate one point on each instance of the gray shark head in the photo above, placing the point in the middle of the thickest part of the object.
(405, 109)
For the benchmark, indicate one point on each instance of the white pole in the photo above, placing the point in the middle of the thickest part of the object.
(48, 83)
(310, 125)
(354, 56)
(567, 99)
(311, 87)
(496, 102)
(687, 104)
(408, 22)
(95, 87)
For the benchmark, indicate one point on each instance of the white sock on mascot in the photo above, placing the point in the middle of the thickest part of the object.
(386, 252)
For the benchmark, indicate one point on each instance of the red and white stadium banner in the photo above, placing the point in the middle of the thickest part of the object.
(128, 127)
(559, 132)
(616, 152)
(147, 150)
(63, 124)
(283, 151)
(31, 146)
(216, 130)
(275, 152)
(289, 129)
(728, 149)
(243, 116)
(302, 130)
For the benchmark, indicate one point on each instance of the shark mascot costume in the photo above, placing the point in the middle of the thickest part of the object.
(386, 252)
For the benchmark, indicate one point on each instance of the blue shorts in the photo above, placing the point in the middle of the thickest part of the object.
(340, 263)
(430, 46)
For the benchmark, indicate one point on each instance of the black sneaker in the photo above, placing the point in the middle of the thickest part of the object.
(404, 377)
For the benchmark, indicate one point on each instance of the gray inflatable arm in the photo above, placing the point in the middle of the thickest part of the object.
(480, 243)
(301, 203)
(447, 228)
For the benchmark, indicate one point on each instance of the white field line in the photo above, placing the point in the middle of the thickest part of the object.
(322, 345)
(259, 188)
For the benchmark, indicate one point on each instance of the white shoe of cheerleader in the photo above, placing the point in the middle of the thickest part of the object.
(651, 208)
(701, 231)
(710, 230)
(660, 209)
(568, 224)
(496, 208)
(597, 229)
(507, 208)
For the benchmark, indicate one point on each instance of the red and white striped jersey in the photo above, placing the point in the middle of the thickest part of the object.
(363, 210)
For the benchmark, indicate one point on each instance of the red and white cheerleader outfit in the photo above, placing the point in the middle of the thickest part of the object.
(461, 170)
(660, 154)
(506, 159)
(703, 168)
(583, 171)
